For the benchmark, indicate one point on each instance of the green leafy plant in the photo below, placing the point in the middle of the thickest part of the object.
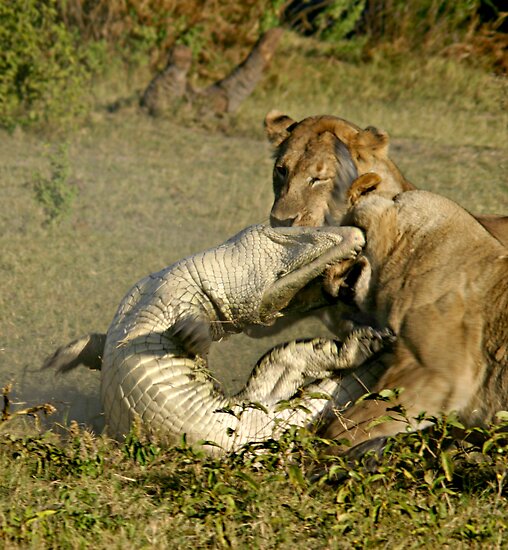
(43, 69)
(138, 446)
(339, 19)
(55, 192)
(271, 16)
(424, 487)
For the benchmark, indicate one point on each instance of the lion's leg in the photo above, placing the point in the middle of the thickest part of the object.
(422, 390)
(436, 365)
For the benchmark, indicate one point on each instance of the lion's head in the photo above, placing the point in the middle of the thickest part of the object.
(317, 159)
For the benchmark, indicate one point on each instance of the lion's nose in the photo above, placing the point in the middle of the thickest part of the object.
(281, 222)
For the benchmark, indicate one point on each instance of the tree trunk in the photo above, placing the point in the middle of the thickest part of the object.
(169, 86)
(225, 96)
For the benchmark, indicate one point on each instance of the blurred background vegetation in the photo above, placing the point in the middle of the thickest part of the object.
(57, 55)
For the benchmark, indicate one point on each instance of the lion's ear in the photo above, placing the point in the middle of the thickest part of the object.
(364, 184)
(276, 127)
(374, 139)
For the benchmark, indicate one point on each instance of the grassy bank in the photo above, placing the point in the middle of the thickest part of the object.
(149, 192)
(94, 492)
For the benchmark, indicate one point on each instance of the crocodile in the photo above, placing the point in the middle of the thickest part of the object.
(153, 357)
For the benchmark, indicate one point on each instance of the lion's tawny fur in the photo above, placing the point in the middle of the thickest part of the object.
(439, 280)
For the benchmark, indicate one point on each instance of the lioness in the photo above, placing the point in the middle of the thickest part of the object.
(318, 158)
(433, 275)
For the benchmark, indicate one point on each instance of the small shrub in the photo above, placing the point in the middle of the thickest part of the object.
(56, 193)
(339, 19)
(138, 447)
(43, 70)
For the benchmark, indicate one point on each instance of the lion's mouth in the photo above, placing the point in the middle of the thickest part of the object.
(318, 294)
(347, 289)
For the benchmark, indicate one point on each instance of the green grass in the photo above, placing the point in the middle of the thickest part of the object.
(94, 492)
(151, 192)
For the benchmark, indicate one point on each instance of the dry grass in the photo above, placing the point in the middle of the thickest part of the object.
(151, 192)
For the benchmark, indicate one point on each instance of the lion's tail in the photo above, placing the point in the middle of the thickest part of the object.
(87, 351)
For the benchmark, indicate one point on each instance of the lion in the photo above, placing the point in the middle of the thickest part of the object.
(438, 279)
(317, 160)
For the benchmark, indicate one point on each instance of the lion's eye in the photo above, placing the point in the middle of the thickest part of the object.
(281, 171)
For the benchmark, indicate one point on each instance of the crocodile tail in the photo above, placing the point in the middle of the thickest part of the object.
(87, 351)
